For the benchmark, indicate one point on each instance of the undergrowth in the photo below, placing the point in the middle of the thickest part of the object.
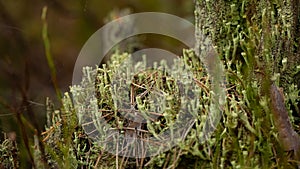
(257, 45)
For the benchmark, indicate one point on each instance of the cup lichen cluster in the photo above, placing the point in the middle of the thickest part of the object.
(258, 42)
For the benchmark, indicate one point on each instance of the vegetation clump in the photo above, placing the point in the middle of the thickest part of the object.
(258, 44)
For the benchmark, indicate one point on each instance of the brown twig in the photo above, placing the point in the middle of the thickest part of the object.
(288, 138)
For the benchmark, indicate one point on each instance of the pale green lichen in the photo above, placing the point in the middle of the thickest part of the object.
(9, 153)
(256, 43)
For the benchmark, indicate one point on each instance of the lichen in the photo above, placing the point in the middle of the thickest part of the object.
(256, 42)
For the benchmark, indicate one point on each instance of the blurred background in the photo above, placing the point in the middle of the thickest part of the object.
(25, 78)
